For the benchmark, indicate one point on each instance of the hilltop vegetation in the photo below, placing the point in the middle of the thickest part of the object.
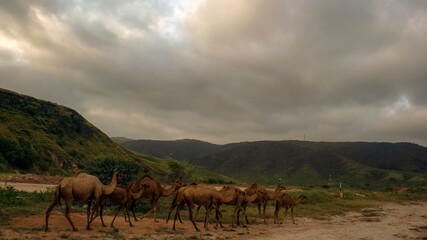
(357, 164)
(41, 137)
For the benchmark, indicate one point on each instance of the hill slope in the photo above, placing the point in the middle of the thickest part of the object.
(42, 137)
(359, 164)
(179, 149)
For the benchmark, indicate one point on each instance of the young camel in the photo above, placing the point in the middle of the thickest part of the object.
(122, 196)
(82, 188)
(199, 195)
(286, 201)
(267, 197)
(154, 193)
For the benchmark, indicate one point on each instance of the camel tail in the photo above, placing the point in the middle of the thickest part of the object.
(57, 195)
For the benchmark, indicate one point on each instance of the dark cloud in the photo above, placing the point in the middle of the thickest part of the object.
(225, 71)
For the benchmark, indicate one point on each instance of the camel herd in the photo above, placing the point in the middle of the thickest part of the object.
(87, 188)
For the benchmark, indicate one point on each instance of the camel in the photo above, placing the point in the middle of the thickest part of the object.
(255, 198)
(200, 195)
(179, 197)
(286, 201)
(82, 188)
(237, 200)
(267, 197)
(122, 196)
(154, 192)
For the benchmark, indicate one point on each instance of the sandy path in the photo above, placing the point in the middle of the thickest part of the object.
(390, 221)
(28, 187)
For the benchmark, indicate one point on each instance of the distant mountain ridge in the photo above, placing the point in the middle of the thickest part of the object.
(359, 164)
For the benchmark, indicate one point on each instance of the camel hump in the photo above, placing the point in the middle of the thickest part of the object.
(254, 185)
(147, 176)
(78, 173)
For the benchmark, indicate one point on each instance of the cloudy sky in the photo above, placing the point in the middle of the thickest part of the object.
(225, 70)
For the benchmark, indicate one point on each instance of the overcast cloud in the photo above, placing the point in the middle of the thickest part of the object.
(225, 71)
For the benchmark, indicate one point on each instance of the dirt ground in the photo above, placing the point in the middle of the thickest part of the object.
(390, 221)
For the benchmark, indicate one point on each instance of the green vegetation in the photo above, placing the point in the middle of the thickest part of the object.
(41, 137)
(357, 164)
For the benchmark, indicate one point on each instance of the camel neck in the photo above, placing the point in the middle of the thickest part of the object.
(169, 191)
(107, 190)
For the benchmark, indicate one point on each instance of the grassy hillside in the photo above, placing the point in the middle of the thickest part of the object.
(358, 164)
(184, 149)
(41, 137)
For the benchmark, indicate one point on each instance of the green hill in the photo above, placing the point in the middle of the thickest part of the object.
(42, 137)
(357, 164)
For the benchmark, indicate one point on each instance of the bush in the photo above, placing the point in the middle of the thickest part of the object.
(105, 167)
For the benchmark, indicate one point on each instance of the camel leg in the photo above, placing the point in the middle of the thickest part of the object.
(276, 214)
(178, 209)
(117, 212)
(244, 213)
(197, 212)
(100, 213)
(190, 212)
(264, 205)
(170, 211)
(205, 225)
(89, 220)
(67, 214)
(155, 210)
(246, 217)
(151, 209)
(292, 214)
(132, 208)
(127, 212)
(96, 209)
(218, 216)
(51, 206)
(286, 213)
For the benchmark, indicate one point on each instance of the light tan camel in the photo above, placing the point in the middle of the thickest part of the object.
(267, 197)
(82, 188)
(286, 201)
(153, 193)
(121, 196)
(199, 195)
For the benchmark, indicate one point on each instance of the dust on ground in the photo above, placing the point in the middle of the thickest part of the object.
(389, 221)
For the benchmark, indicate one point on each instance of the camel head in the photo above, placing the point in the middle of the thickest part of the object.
(120, 177)
(178, 183)
(279, 188)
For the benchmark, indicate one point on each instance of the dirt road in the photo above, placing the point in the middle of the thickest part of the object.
(27, 187)
(390, 221)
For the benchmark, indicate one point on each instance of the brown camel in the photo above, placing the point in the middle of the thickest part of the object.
(179, 197)
(82, 188)
(154, 193)
(200, 195)
(255, 198)
(237, 201)
(286, 201)
(267, 197)
(122, 196)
